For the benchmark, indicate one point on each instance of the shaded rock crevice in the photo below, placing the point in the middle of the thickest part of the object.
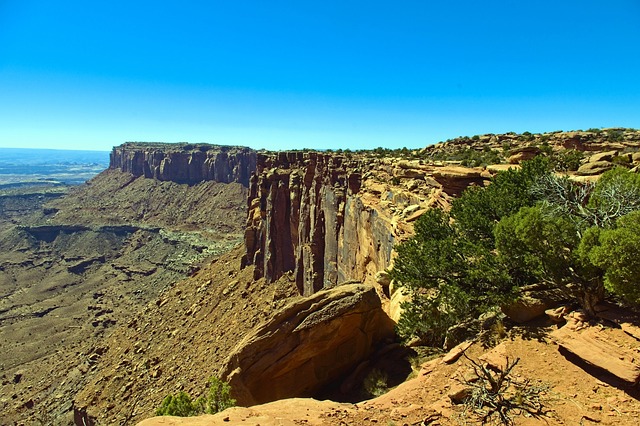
(307, 345)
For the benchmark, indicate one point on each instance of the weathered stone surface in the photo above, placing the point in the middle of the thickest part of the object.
(455, 179)
(525, 309)
(307, 345)
(397, 298)
(288, 412)
(454, 354)
(306, 216)
(383, 278)
(611, 350)
(594, 168)
(603, 156)
(626, 320)
(519, 155)
(185, 163)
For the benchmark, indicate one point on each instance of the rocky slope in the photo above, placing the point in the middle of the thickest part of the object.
(73, 267)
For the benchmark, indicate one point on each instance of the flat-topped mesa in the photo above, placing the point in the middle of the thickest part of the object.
(185, 163)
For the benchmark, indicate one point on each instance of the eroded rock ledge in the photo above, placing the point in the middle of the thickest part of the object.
(185, 163)
(307, 344)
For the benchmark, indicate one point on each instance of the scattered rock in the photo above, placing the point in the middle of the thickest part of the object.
(454, 354)
(602, 348)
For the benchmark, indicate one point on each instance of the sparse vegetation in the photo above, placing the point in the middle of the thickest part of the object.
(566, 160)
(375, 383)
(217, 398)
(615, 135)
(495, 396)
(179, 404)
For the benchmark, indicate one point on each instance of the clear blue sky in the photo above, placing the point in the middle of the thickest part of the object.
(325, 74)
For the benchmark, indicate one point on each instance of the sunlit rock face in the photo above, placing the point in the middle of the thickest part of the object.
(185, 163)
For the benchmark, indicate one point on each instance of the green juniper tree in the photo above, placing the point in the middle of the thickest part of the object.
(528, 226)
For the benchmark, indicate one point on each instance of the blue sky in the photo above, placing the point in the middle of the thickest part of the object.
(298, 74)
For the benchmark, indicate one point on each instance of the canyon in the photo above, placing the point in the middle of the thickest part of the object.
(189, 258)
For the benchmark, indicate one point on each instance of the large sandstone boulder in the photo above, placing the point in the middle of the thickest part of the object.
(307, 345)
(603, 156)
(455, 179)
(524, 153)
(594, 168)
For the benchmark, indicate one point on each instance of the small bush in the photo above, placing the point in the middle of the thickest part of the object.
(375, 384)
(179, 404)
(615, 135)
(622, 160)
(566, 160)
(496, 397)
(218, 398)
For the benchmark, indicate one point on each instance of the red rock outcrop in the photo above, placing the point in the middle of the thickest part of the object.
(185, 163)
(297, 207)
(307, 344)
(609, 349)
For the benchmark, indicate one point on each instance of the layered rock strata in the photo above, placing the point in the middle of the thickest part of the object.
(185, 163)
(328, 219)
(304, 218)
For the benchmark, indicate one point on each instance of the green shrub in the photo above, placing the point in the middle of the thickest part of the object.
(566, 160)
(622, 160)
(375, 384)
(616, 252)
(528, 226)
(217, 398)
(615, 135)
(179, 404)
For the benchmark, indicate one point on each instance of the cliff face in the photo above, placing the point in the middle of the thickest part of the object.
(327, 219)
(185, 163)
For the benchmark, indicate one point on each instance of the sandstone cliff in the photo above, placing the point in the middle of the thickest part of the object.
(330, 219)
(185, 163)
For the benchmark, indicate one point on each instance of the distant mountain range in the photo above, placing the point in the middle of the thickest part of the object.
(49, 166)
